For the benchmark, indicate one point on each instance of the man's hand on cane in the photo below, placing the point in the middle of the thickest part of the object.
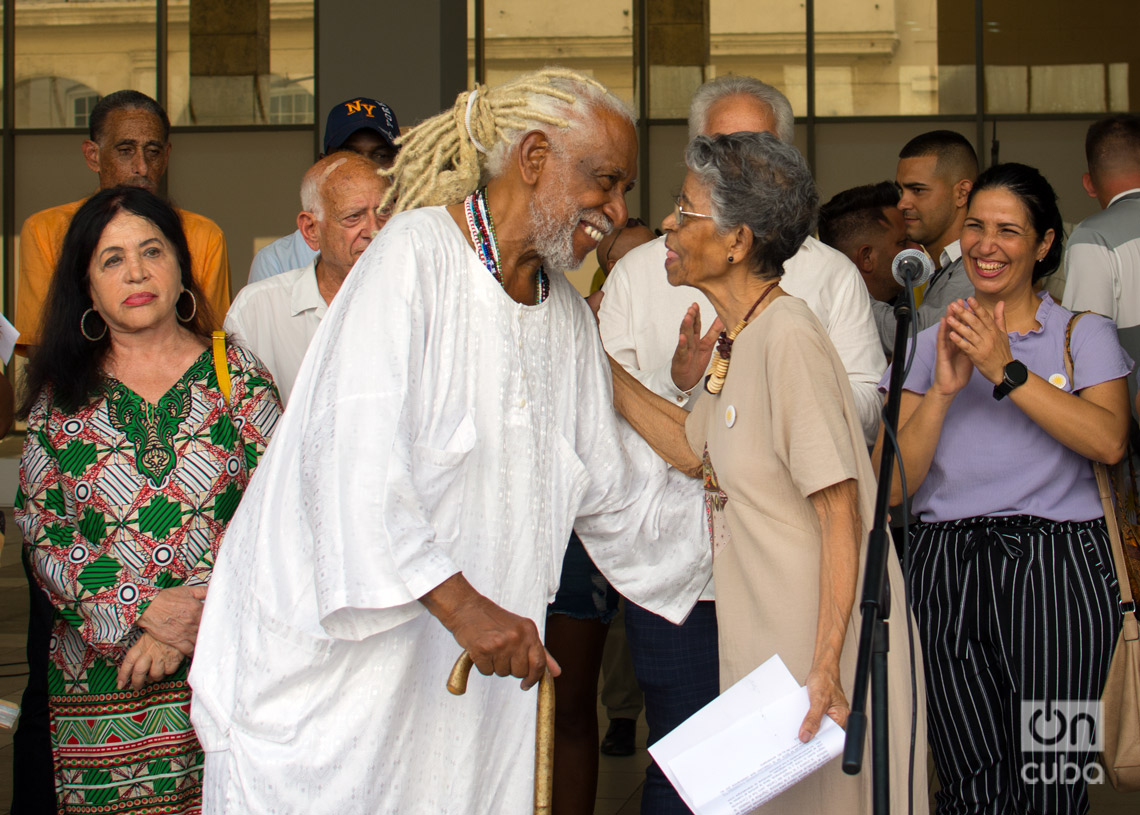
(499, 641)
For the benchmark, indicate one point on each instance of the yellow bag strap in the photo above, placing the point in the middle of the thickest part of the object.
(221, 367)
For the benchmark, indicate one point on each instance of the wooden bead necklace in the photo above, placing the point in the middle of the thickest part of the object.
(715, 380)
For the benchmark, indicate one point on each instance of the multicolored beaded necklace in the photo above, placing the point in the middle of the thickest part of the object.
(487, 245)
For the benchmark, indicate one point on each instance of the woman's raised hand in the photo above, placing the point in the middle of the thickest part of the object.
(981, 336)
(691, 359)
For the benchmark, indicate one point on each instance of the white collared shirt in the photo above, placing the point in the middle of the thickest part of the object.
(276, 319)
(641, 314)
(950, 253)
(1120, 195)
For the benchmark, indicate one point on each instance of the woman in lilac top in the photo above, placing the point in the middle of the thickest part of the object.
(1012, 580)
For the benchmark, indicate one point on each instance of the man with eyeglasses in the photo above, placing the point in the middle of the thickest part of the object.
(677, 666)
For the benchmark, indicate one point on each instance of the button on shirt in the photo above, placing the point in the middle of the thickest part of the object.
(276, 319)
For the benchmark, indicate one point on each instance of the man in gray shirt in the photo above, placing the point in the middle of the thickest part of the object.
(1102, 260)
(935, 175)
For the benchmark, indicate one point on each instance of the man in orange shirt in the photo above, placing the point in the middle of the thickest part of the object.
(129, 144)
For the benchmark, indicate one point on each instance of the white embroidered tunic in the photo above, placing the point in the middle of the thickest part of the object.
(436, 426)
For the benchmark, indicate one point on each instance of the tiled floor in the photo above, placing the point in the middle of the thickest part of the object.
(620, 779)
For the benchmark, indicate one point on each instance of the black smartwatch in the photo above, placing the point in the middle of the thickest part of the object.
(1013, 375)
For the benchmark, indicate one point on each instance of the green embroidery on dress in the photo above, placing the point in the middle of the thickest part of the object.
(151, 428)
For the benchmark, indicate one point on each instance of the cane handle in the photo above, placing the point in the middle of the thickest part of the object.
(457, 681)
(543, 733)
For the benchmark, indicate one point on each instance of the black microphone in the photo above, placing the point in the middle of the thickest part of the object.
(912, 267)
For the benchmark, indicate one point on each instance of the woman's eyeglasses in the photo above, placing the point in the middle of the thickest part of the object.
(680, 214)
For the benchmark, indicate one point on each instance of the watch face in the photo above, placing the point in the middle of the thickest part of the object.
(1016, 373)
(1013, 374)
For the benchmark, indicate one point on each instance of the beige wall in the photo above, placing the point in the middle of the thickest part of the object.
(248, 182)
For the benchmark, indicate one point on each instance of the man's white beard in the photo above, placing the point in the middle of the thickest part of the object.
(553, 232)
(553, 237)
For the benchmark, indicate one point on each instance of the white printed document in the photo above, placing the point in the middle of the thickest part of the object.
(743, 748)
(8, 337)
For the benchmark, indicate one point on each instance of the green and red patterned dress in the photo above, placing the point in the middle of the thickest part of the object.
(117, 502)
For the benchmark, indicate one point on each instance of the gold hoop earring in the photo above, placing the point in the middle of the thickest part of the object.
(194, 311)
(83, 326)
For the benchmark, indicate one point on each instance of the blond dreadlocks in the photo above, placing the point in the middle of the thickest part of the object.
(446, 158)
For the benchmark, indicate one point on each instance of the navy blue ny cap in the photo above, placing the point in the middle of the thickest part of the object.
(360, 113)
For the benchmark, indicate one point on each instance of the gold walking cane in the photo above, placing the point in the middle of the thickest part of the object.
(543, 729)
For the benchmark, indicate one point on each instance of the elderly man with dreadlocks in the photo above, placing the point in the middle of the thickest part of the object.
(450, 424)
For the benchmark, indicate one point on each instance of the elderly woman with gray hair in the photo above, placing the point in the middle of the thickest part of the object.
(789, 486)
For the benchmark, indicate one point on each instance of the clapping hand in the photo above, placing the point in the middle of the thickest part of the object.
(952, 367)
(981, 336)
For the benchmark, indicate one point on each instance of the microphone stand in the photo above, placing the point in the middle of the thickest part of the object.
(875, 604)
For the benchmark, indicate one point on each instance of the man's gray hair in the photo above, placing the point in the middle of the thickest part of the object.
(313, 184)
(713, 91)
(314, 181)
(756, 180)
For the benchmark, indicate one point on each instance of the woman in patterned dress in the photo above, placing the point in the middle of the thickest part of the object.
(134, 462)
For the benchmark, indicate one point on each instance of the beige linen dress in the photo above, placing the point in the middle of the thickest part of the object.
(783, 427)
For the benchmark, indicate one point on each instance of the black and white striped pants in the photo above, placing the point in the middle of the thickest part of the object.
(1010, 610)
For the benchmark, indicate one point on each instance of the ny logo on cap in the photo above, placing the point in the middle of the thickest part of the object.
(355, 106)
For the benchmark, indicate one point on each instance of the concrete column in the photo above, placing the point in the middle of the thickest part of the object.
(413, 56)
(678, 53)
(229, 62)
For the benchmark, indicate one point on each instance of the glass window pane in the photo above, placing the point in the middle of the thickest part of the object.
(1076, 58)
(240, 63)
(291, 55)
(70, 53)
(765, 40)
(596, 40)
(894, 58)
